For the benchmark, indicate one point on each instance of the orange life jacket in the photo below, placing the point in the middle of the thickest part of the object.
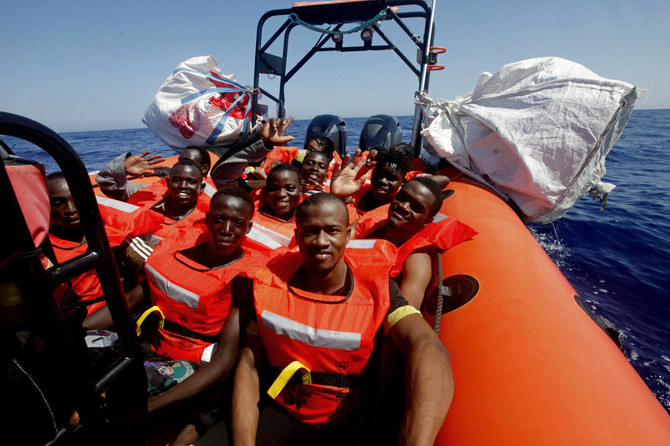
(122, 218)
(194, 300)
(87, 285)
(443, 233)
(331, 336)
(153, 193)
(283, 154)
(279, 230)
(358, 196)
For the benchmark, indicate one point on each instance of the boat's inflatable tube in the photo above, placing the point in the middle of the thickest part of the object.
(530, 366)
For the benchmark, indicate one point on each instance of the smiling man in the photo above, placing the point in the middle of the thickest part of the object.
(319, 313)
(413, 224)
(196, 292)
(314, 172)
(192, 285)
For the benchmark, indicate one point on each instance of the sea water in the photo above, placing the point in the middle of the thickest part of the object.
(618, 259)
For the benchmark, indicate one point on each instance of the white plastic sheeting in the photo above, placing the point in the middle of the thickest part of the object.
(197, 105)
(537, 132)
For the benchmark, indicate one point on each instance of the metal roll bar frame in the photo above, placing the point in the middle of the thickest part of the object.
(125, 376)
(336, 14)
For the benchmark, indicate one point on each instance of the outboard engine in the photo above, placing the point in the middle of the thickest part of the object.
(380, 131)
(331, 126)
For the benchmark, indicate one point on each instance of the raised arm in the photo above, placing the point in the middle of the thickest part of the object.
(143, 164)
(249, 148)
(349, 179)
(272, 132)
(113, 180)
(429, 385)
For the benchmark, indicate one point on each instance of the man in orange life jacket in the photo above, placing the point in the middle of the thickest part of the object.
(409, 222)
(198, 290)
(318, 313)
(391, 170)
(314, 172)
(67, 240)
(179, 206)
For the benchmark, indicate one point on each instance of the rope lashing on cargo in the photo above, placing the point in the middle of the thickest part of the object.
(380, 16)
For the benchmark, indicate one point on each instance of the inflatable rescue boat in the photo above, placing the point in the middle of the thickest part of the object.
(530, 365)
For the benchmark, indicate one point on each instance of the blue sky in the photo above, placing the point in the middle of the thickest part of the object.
(89, 65)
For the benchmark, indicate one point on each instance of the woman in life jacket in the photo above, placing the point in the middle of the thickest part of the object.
(277, 203)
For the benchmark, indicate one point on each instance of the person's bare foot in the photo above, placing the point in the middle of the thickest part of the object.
(186, 437)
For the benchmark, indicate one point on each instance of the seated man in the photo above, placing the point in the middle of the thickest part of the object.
(183, 189)
(67, 240)
(390, 172)
(320, 144)
(318, 313)
(179, 210)
(196, 290)
(314, 172)
(412, 223)
(386, 179)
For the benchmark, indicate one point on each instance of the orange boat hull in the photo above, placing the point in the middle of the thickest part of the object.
(530, 366)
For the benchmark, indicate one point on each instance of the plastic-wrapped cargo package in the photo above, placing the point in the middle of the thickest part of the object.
(197, 105)
(537, 131)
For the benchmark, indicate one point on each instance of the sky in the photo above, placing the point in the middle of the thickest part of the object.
(93, 65)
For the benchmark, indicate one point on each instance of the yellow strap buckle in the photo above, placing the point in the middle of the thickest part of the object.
(161, 323)
(286, 375)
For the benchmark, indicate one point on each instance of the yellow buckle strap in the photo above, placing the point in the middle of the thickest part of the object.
(286, 375)
(147, 313)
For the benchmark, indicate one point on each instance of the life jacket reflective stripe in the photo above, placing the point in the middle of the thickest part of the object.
(325, 334)
(443, 233)
(153, 193)
(87, 285)
(122, 218)
(277, 229)
(193, 296)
